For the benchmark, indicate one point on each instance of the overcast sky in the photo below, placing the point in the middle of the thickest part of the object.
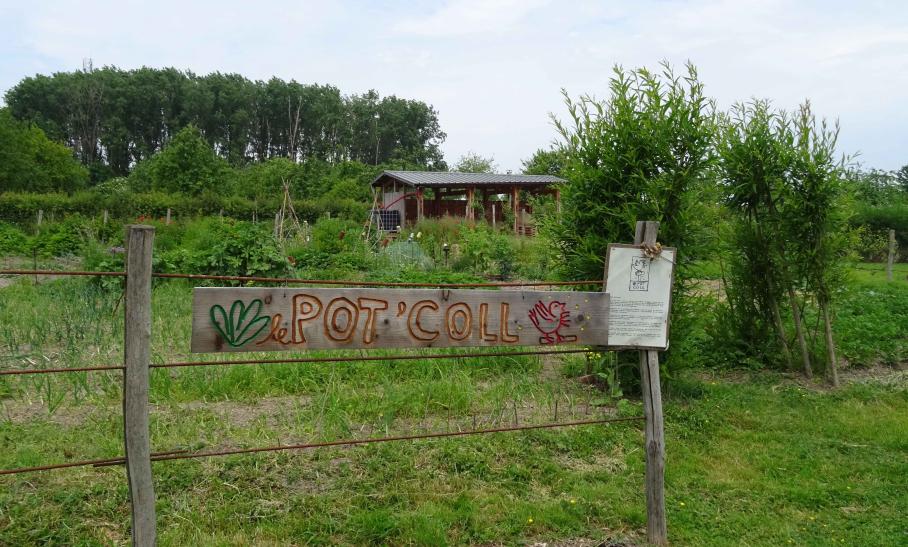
(494, 68)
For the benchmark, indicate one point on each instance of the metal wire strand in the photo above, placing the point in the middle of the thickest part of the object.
(310, 281)
(185, 455)
(342, 359)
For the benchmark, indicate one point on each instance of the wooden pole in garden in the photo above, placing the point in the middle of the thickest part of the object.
(656, 531)
(136, 355)
(891, 255)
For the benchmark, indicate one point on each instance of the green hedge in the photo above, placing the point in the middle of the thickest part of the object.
(23, 207)
(882, 218)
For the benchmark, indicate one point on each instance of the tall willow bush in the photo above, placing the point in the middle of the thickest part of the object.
(787, 196)
(644, 153)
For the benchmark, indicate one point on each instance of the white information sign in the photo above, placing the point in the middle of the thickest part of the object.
(640, 290)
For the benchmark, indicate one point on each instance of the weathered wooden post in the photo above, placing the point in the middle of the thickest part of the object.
(136, 355)
(40, 216)
(656, 530)
(167, 220)
(493, 216)
(891, 255)
(106, 216)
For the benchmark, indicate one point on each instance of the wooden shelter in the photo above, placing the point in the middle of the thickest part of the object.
(409, 196)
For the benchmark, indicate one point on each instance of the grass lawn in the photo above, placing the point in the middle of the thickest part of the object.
(752, 458)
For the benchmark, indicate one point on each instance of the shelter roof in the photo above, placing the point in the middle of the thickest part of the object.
(453, 179)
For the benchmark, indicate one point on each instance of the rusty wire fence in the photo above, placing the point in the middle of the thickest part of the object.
(186, 454)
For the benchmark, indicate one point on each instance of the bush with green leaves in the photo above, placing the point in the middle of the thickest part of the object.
(30, 162)
(187, 164)
(12, 240)
(226, 247)
(334, 245)
(62, 238)
(484, 251)
(788, 197)
(644, 153)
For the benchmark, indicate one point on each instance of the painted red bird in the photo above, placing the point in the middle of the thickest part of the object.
(549, 320)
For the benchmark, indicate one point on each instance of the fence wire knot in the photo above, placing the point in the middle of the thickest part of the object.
(652, 251)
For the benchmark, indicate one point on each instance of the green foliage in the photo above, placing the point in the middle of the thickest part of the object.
(820, 210)
(186, 165)
(872, 321)
(756, 458)
(12, 240)
(876, 187)
(114, 119)
(406, 254)
(755, 150)
(471, 162)
(60, 238)
(224, 247)
(486, 251)
(434, 233)
(31, 162)
(790, 231)
(877, 220)
(335, 248)
(643, 154)
(546, 162)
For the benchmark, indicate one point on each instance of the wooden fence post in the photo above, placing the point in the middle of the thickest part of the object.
(656, 531)
(40, 216)
(167, 221)
(136, 355)
(891, 255)
(105, 216)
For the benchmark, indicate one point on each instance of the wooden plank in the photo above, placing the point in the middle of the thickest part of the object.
(274, 319)
(656, 530)
(891, 258)
(136, 355)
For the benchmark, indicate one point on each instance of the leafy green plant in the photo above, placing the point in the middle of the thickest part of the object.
(226, 247)
(646, 152)
(12, 240)
(486, 251)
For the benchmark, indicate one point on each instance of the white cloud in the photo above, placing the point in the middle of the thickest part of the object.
(464, 17)
(494, 69)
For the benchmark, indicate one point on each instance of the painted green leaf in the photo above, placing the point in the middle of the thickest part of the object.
(242, 324)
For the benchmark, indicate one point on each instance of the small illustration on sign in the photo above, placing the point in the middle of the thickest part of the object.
(549, 320)
(242, 324)
(640, 273)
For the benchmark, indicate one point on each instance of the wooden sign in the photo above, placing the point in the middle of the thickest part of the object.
(274, 319)
(641, 290)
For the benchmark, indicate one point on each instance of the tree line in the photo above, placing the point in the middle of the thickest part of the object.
(112, 118)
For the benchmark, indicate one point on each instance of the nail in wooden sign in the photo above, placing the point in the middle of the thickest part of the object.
(274, 319)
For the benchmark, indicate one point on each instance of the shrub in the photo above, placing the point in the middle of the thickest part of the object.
(486, 251)
(880, 219)
(226, 247)
(12, 240)
(334, 244)
(60, 238)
